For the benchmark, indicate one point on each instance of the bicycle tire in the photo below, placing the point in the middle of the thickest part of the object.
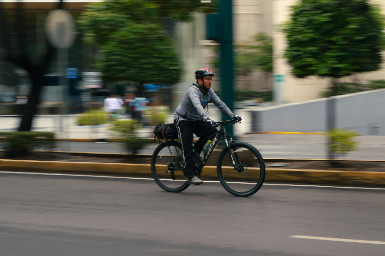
(244, 183)
(166, 161)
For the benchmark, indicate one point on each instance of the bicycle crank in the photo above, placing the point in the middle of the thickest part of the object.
(168, 171)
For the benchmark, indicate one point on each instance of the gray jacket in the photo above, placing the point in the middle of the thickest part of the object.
(195, 100)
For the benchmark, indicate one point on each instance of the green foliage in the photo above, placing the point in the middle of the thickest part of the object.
(108, 13)
(342, 140)
(157, 114)
(334, 38)
(346, 88)
(22, 143)
(254, 54)
(182, 10)
(92, 117)
(376, 84)
(123, 128)
(125, 131)
(131, 37)
(247, 95)
(140, 53)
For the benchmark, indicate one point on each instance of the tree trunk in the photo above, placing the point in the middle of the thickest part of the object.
(15, 51)
(33, 101)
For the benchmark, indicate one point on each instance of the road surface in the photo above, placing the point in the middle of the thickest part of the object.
(83, 215)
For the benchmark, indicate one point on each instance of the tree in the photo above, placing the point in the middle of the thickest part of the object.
(259, 51)
(256, 54)
(140, 53)
(334, 39)
(131, 36)
(16, 48)
(251, 55)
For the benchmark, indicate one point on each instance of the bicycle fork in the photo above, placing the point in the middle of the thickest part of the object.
(238, 167)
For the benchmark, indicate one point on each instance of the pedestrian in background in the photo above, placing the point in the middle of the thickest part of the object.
(140, 105)
(112, 105)
(128, 98)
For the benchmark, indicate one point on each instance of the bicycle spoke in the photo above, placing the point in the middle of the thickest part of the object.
(167, 167)
(247, 176)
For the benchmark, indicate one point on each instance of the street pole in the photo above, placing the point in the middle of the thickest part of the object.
(63, 63)
(330, 123)
(60, 30)
(227, 56)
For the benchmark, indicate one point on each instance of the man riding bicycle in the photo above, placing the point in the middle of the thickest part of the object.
(190, 118)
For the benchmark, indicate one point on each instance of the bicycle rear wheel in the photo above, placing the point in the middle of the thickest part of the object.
(167, 167)
(249, 177)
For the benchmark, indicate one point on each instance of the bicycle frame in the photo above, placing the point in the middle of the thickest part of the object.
(222, 133)
(247, 162)
(226, 137)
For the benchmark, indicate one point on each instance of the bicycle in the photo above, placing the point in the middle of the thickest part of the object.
(239, 177)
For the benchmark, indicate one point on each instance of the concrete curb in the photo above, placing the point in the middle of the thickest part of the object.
(351, 178)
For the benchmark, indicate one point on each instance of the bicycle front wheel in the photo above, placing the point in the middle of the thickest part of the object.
(247, 176)
(167, 167)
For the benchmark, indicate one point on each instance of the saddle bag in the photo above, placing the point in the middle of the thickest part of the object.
(166, 131)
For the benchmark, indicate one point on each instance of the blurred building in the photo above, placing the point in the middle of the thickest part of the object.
(250, 17)
(15, 80)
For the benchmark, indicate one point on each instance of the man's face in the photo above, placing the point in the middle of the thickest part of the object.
(207, 80)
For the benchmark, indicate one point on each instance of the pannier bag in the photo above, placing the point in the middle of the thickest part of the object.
(166, 131)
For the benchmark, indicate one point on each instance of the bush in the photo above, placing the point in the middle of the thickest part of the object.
(22, 143)
(125, 131)
(247, 95)
(157, 114)
(92, 117)
(342, 140)
(346, 88)
(376, 84)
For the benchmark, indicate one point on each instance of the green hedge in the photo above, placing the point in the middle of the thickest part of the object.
(346, 88)
(93, 117)
(22, 143)
(342, 140)
(266, 96)
(125, 130)
(247, 95)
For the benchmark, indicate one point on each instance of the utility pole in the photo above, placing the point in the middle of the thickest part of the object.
(219, 27)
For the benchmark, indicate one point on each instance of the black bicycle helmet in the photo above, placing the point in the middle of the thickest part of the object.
(203, 72)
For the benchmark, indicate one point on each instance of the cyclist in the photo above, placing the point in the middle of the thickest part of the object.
(190, 118)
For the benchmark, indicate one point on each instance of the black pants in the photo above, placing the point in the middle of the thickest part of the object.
(186, 129)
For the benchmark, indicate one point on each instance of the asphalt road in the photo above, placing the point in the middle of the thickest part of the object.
(290, 146)
(73, 215)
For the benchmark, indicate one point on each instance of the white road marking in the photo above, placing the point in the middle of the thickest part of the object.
(208, 181)
(338, 239)
(322, 186)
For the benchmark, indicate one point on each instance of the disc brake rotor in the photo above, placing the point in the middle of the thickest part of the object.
(244, 167)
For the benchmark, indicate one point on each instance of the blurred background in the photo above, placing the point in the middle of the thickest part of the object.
(148, 54)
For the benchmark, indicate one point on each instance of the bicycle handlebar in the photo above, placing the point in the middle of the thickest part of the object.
(227, 121)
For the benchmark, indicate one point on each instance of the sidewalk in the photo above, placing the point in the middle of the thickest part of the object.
(271, 145)
(275, 145)
(64, 126)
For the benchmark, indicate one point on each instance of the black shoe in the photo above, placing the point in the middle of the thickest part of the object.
(194, 180)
